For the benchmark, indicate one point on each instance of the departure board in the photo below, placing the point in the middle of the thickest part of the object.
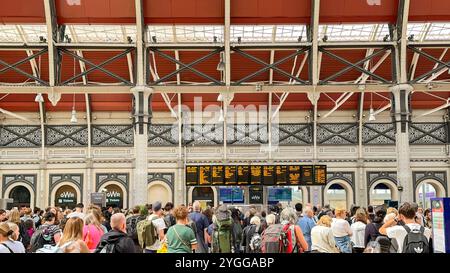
(230, 175)
(191, 175)
(217, 175)
(320, 174)
(281, 177)
(307, 175)
(243, 174)
(268, 175)
(204, 175)
(255, 174)
(294, 175)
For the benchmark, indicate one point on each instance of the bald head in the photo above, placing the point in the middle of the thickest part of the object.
(118, 222)
(196, 206)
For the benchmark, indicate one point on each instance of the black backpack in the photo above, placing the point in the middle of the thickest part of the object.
(170, 220)
(415, 241)
(132, 226)
(40, 238)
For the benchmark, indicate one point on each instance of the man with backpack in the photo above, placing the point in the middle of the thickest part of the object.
(169, 219)
(223, 240)
(131, 223)
(412, 237)
(251, 236)
(116, 240)
(151, 231)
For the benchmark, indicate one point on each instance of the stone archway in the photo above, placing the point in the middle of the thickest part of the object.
(159, 191)
(112, 187)
(24, 185)
(214, 194)
(349, 193)
(394, 196)
(437, 186)
(66, 187)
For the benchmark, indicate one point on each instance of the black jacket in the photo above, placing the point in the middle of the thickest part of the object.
(123, 243)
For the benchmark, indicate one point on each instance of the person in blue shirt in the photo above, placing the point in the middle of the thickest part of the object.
(306, 224)
(202, 223)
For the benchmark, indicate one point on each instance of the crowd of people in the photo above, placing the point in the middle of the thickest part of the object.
(154, 228)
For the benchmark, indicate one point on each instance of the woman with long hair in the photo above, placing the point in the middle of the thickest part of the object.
(359, 229)
(92, 231)
(72, 238)
(322, 237)
(8, 239)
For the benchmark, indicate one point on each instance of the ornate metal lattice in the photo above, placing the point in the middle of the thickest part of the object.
(203, 134)
(292, 134)
(112, 135)
(20, 136)
(337, 133)
(378, 133)
(427, 133)
(162, 135)
(66, 136)
(247, 134)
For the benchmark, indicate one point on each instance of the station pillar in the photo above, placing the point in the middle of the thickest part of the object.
(401, 114)
(141, 119)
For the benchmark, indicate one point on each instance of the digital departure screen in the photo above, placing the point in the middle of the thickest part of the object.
(307, 175)
(294, 175)
(191, 175)
(204, 175)
(243, 174)
(230, 175)
(281, 173)
(268, 175)
(255, 174)
(217, 175)
(320, 174)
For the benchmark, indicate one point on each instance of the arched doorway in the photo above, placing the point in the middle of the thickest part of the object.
(299, 195)
(338, 194)
(159, 191)
(205, 195)
(428, 189)
(66, 196)
(21, 197)
(382, 190)
(115, 195)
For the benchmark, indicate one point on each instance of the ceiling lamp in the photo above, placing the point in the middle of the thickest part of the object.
(73, 118)
(220, 97)
(39, 98)
(371, 114)
(221, 64)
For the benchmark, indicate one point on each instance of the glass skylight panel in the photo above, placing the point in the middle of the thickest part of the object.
(199, 33)
(250, 34)
(21, 33)
(353, 32)
(290, 33)
(416, 29)
(101, 33)
(162, 34)
(438, 31)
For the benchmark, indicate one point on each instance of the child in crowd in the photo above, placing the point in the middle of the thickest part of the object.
(342, 231)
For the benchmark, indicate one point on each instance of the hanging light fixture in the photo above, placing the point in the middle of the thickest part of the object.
(220, 97)
(221, 64)
(73, 118)
(221, 118)
(39, 98)
(371, 111)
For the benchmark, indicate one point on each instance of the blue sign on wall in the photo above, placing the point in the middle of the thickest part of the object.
(279, 194)
(231, 195)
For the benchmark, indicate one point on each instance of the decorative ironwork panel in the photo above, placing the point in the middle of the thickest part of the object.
(112, 135)
(10, 179)
(102, 178)
(427, 133)
(162, 135)
(20, 136)
(292, 134)
(378, 133)
(337, 133)
(203, 134)
(66, 135)
(247, 134)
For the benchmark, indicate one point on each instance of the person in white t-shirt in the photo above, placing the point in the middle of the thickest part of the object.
(342, 231)
(359, 230)
(78, 212)
(407, 214)
(157, 218)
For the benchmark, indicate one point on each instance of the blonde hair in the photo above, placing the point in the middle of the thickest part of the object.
(255, 221)
(325, 221)
(270, 219)
(5, 230)
(392, 210)
(73, 230)
(15, 228)
(361, 215)
(14, 216)
(91, 219)
(340, 212)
